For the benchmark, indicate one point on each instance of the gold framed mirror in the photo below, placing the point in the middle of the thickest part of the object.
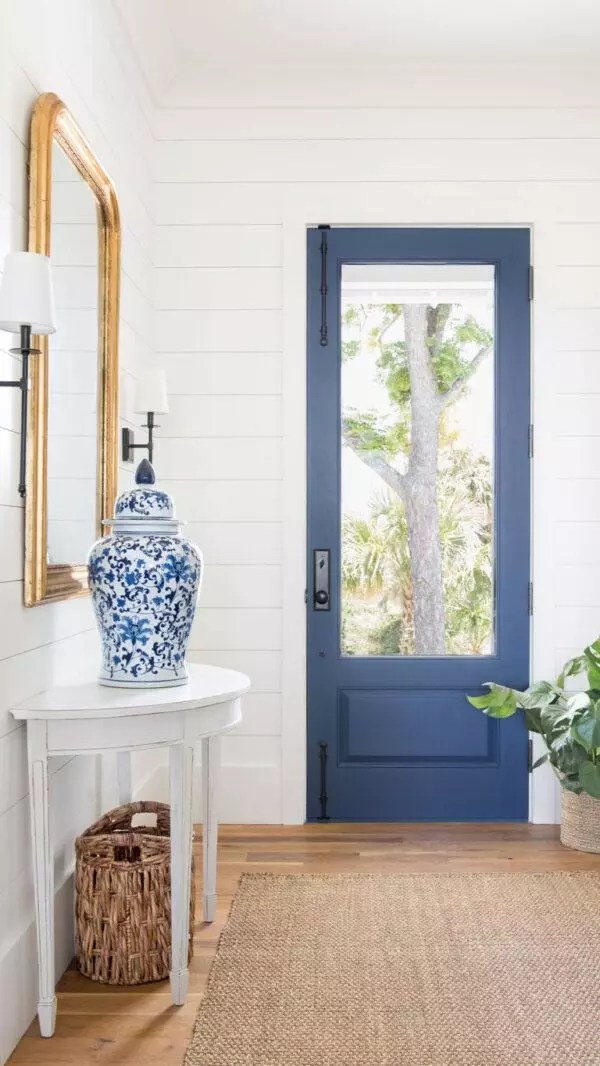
(73, 412)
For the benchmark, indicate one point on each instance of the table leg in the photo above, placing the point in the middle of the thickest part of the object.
(181, 771)
(124, 777)
(211, 751)
(43, 871)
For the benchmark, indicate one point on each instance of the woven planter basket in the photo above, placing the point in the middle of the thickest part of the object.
(123, 897)
(580, 826)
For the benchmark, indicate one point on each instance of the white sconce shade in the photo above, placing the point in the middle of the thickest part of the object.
(151, 393)
(26, 297)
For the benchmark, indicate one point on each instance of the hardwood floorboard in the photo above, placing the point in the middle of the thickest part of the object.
(140, 1027)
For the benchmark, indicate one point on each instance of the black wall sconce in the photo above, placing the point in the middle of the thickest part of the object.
(26, 307)
(150, 399)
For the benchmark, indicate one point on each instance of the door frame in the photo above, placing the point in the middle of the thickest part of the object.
(361, 204)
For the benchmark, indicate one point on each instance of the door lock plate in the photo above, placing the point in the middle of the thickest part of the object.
(321, 591)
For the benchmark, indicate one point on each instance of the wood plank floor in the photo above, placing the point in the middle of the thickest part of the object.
(126, 1026)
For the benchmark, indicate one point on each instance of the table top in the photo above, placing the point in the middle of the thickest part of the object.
(85, 698)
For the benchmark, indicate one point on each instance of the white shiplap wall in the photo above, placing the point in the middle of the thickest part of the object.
(80, 52)
(245, 160)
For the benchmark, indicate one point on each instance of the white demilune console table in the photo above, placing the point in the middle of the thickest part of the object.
(86, 718)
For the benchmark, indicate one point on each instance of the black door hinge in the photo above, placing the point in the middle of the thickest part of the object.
(324, 229)
(530, 755)
(530, 597)
(530, 282)
(530, 441)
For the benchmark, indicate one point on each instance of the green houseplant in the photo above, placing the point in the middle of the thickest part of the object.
(569, 722)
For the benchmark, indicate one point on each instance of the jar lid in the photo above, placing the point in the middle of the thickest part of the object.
(144, 504)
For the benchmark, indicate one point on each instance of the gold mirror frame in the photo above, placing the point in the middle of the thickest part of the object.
(52, 122)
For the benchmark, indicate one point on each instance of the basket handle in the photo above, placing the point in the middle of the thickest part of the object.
(144, 820)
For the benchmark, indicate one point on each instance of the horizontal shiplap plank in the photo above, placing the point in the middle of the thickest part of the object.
(237, 543)
(76, 329)
(576, 626)
(369, 123)
(13, 228)
(75, 244)
(75, 287)
(212, 202)
(13, 767)
(73, 456)
(224, 287)
(261, 716)
(17, 95)
(576, 543)
(218, 331)
(248, 629)
(73, 372)
(224, 373)
(578, 498)
(225, 501)
(71, 778)
(262, 667)
(10, 399)
(71, 497)
(435, 84)
(579, 328)
(250, 751)
(136, 309)
(433, 202)
(218, 246)
(13, 169)
(72, 415)
(16, 846)
(578, 416)
(577, 584)
(73, 202)
(578, 244)
(219, 458)
(577, 457)
(10, 447)
(222, 416)
(241, 586)
(578, 286)
(576, 372)
(11, 543)
(137, 263)
(23, 630)
(384, 160)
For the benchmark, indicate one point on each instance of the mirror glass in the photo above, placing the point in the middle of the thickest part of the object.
(72, 367)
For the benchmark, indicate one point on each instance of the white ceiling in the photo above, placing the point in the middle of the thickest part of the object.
(173, 36)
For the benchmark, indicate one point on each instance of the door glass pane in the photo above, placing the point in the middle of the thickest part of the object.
(417, 497)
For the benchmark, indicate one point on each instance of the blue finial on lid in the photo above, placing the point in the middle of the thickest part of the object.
(144, 474)
(144, 500)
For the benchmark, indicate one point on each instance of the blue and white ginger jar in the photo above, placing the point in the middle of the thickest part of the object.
(144, 578)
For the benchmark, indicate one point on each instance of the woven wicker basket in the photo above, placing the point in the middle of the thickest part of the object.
(123, 897)
(580, 826)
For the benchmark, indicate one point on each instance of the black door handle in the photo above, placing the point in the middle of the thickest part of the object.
(321, 579)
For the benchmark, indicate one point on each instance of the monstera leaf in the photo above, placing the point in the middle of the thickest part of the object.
(569, 721)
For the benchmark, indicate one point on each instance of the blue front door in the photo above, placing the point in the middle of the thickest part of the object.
(418, 521)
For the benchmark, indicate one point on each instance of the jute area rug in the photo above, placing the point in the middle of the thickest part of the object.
(406, 970)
